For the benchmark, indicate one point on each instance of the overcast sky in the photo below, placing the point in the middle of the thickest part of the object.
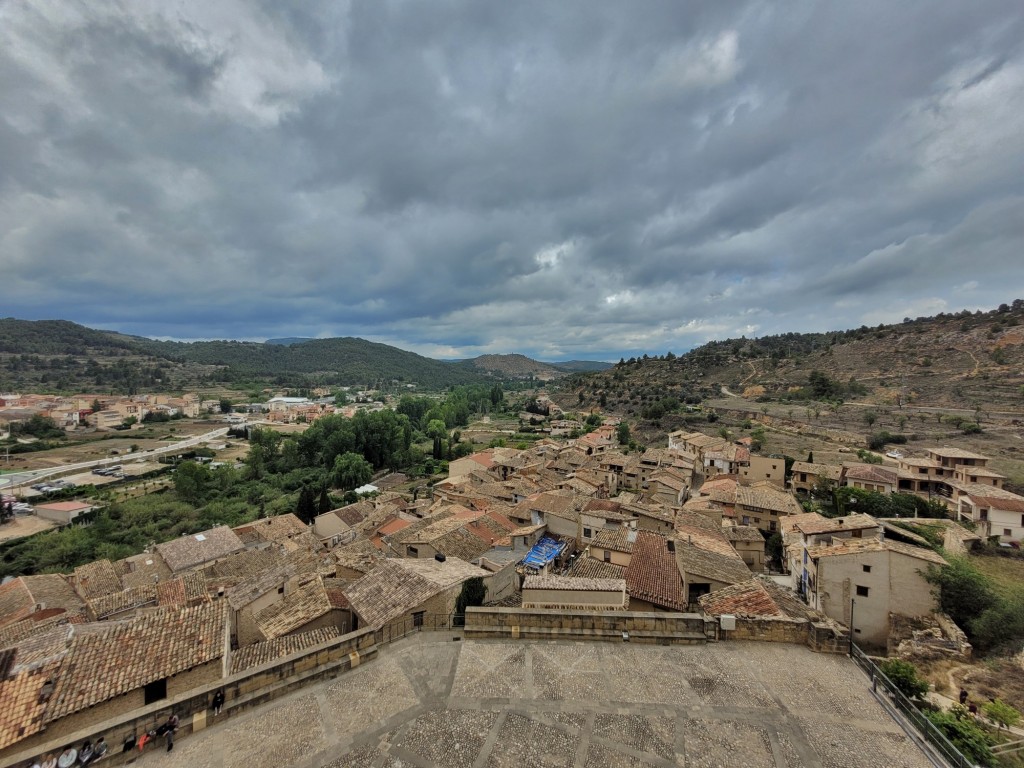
(562, 179)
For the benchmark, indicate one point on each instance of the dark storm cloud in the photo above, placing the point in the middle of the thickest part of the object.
(564, 180)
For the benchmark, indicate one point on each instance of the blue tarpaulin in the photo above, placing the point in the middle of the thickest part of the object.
(543, 552)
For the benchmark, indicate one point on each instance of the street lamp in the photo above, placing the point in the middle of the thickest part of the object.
(853, 602)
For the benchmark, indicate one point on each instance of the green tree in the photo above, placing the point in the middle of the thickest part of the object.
(903, 675)
(323, 503)
(622, 433)
(870, 417)
(225, 405)
(1001, 713)
(437, 432)
(305, 508)
(773, 548)
(351, 471)
(192, 482)
(473, 593)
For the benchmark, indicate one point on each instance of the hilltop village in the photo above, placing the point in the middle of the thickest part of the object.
(572, 525)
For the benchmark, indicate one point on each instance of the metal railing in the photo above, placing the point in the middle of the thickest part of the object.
(426, 622)
(926, 729)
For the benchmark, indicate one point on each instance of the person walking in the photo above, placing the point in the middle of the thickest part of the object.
(963, 696)
(172, 726)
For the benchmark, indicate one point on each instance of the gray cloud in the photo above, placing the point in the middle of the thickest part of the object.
(564, 180)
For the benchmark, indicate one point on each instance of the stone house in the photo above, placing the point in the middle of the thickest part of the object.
(199, 549)
(999, 516)
(408, 591)
(862, 581)
(771, 469)
(805, 476)
(749, 543)
(91, 673)
(763, 506)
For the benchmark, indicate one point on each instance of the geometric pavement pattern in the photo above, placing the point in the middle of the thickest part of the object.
(429, 702)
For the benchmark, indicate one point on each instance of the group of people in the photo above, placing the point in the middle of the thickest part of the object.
(70, 757)
(89, 752)
(971, 707)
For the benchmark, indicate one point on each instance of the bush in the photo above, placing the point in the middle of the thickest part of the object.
(965, 735)
(903, 675)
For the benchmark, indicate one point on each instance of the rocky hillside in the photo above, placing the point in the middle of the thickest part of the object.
(957, 360)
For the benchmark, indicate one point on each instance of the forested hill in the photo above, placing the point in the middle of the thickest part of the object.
(339, 361)
(61, 356)
(959, 359)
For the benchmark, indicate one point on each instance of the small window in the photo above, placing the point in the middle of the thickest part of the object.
(280, 590)
(867, 568)
(587, 533)
(412, 551)
(1007, 532)
(417, 618)
(862, 591)
(607, 556)
(155, 691)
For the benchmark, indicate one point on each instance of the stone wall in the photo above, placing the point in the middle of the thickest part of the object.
(540, 624)
(821, 637)
(242, 691)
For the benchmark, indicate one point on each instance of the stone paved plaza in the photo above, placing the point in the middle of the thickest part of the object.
(428, 701)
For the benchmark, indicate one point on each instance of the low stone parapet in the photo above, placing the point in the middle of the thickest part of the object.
(618, 626)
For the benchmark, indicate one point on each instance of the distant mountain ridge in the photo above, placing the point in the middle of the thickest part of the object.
(287, 341)
(58, 355)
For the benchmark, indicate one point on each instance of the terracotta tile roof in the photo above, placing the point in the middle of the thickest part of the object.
(617, 540)
(187, 589)
(818, 524)
(96, 579)
(869, 473)
(462, 543)
(16, 602)
(765, 497)
(271, 650)
(755, 597)
(196, 549)
(575, 584)
(336, 593)
(841, 547)
(273, 528)
(998, 503)
(245, 564)
(128, 655)
(743, 533)
(298, 608)
(141, 570)
(956, 453)
(26, 594)
(354, 514)
(592, 568)
(38, 622)
(653, 575)
(451, 572)
(358, 556)
(125, 600)
(253, 588)
(705, 556)
(388, 592)
(829, 471)
(23, 706)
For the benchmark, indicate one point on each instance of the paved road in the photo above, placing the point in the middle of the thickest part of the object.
(32, 476)
(432, 703)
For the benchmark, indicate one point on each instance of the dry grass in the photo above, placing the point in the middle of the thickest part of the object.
(1007, 573)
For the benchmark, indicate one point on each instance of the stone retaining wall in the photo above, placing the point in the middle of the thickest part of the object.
(542, 624)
